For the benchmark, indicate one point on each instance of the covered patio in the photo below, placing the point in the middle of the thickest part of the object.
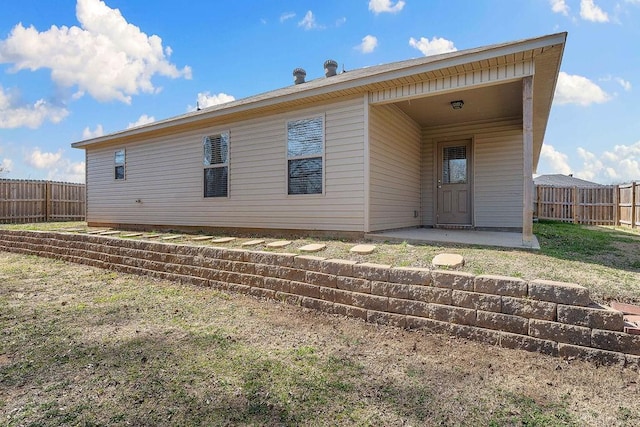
(504, 239)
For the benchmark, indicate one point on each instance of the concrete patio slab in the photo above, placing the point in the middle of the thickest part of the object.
(224, 240)
(465, 237)
(279, 244)
(253, 242)
(363, 249)
(313, 247)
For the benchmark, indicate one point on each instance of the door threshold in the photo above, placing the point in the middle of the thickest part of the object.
(454, 227)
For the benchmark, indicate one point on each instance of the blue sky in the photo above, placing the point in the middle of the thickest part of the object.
(74, 69)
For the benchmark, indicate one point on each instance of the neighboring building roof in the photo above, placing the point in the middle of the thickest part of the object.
(559, 180)
(359, 81)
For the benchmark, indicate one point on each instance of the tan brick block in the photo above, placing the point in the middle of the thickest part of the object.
(500, 285)
(410, 276)
(278, 285)
(232, 254)
(523, 342)
(372, 271)
(382, 318)
(317, 304)
(559, 292)
(338, 267)
(560, 332)
(393, 290)
(529, 308)
(266, 270)
(349, 311)
(309, 262)
(430, 294)
(413, 308)
(369, 302)
(320, 279)
(475, 334)
(502, 322)
(304, 289)
(430, 325)
(452, 280)
(594, 316)
(243, 267)
(271, 258)
(476, 301)
(353, 284)
(252, 280)
(599, 357)
(616, 341)
(291, 274)
(327, 294)
(446, 313)
(343, 297)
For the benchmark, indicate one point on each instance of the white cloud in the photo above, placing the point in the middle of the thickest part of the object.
(142, 120)
(368, 45)
(286, 16)
(559, 6)
(205, 99)
(380, 6)
(574, 89)
(14, 114)
(341, 21)
(43, 160)
(433, 47)
(58, 167)
(556, 160)
(591, 12)
(614, 166)
(67, 171)
(87, 133)
(625, 84)
(309, 22)
(106, 57)
(6, 165)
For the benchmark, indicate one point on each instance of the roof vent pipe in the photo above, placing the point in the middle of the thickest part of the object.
(299, 74)
(330, 67)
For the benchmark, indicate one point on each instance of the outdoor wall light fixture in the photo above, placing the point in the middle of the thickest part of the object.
(457, 105)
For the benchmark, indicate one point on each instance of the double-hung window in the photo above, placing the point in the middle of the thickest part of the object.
(305, 155)
(216, 165)
(119, 163)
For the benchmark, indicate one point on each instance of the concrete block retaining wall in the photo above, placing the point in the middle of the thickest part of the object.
(553, 318)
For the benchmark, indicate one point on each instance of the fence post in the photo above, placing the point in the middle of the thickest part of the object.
(633, 204)
(616, 205)
(574, 194)
(47, 201)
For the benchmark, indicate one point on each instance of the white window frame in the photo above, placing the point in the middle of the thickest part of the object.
(216, 165)
(321, 155)
(122, 164)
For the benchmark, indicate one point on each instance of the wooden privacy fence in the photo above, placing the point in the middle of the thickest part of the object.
(605, 205)
(41, 201)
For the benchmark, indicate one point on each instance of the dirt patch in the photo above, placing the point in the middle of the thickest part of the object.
(87, 346)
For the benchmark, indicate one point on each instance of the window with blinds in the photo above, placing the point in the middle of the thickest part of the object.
(119, 164)
(305, 152)
(454, 165)
(216, 165)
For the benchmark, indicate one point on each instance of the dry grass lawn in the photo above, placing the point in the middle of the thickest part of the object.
(84, 346)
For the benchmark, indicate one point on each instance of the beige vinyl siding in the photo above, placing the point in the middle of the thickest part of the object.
(497, 171)
(498, 189)
(166, 174)
(394, 169)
